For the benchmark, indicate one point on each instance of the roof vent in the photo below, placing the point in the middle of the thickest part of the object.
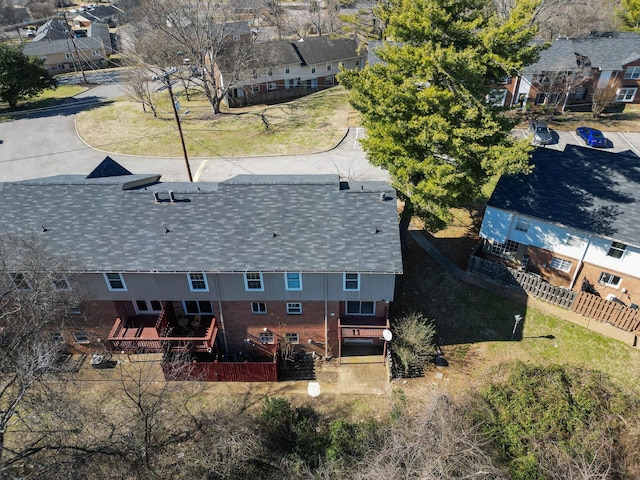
(172, 198)
(156, 197)
(384, 197)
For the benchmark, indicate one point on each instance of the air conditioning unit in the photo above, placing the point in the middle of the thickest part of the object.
(611, 297)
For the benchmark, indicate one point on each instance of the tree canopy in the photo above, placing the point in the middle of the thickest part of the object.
(21, 77)
(424, 104)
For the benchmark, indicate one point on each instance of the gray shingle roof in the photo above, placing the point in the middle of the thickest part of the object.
(58, 46)
(103, 225)
(610, 52)
(590, 190)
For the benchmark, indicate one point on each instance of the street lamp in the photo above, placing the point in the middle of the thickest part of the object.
(166, 79)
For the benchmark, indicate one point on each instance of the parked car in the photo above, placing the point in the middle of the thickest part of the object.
(541, 132)
(592, 136)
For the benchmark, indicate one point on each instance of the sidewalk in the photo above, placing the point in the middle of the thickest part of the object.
(521, 297)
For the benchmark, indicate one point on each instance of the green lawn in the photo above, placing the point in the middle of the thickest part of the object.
(309, 124)
(45, 99)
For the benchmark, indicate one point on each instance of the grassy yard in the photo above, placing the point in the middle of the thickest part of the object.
(309, 124)
(47, 98)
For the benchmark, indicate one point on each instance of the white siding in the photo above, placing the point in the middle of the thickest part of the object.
(628, 264)
(495, 225)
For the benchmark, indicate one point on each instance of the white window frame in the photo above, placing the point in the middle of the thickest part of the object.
(267, 338)
(522, 225)
(328, 67)
(497, 97)
(68, 56)
(59, 278)
(271, 86)
(259, 308)
(626, 94)
(148, 304)
(286, 69)
(616, 250)
(287, 284)
(95, 53)
(255, 88)
(292, 337)
(328, 80)
(574, 240)
(294, 308)
(119, 279)
(253, 279)
(507, 249)
(200, 311)
(20, 281)
(607, 278)
(632, 73)
(313, 69)
(359, 313)
(193, 277)
(560, 264)
(345, 280)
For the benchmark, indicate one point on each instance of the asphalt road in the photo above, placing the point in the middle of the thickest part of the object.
(44, 142)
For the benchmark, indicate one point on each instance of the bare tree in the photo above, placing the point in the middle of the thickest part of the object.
(206, 32)
(35, 301)
(558, 85)
(140, 87)
(602, 97)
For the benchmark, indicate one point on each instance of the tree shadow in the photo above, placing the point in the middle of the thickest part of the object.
(64, 107)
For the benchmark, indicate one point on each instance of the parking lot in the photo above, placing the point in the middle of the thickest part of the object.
(621, 141)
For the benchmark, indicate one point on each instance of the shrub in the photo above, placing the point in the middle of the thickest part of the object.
(413, 343)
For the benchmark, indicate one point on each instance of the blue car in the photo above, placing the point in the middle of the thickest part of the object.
(592, 136)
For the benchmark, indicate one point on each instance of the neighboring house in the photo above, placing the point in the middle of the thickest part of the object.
(573, 221)
(281, 70)
(220, 269)
(571, 69)
(70, 54)
(106, 14)
(53, 29)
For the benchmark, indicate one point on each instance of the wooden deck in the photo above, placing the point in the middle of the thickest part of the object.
(154, 333)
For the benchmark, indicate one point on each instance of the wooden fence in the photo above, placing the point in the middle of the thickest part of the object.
(224, 371)
(607, 311)
(529, 282)
(583, 303)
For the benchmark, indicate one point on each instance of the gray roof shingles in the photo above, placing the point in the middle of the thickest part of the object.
(213, 227)
(59, 46)
(606, 52)
(591, 190)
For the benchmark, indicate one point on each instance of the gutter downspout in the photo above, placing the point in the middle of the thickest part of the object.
(580, 263)
(326, 320)
(224, 330)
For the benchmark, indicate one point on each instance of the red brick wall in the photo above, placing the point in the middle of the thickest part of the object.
(240, 323)
(539, 261)
(592, 274)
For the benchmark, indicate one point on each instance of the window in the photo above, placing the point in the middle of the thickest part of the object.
(60, 66)
(574, 241)
(626, 94)
(549, 99)
(507, 249)
(616, 250)
(294, 308)
(148, 306)
(258, 307)
(360, 308)
(272, 86)
(522, 225)
(270, 72)
(293, 281)
(255, 74)
(60, 282)
(560, 264)
(20, 281)
(632, 73)
(95, 53)
(357, 62)
(266, 337)
(253, 281)
(236, 38)
(115, 282)
(198, 282)
(328, 80)
(193, 307)
(497, 97)
(68, 55)
(580, 93)
(291, 338)
(313, 69)
(255, 88)
(329, 68)
(351, 281)
(609, 279)
(286, 69)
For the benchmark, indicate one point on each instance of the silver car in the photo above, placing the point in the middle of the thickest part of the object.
(541, 132)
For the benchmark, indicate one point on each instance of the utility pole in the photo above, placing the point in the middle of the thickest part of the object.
(166, 79)
(75, 47)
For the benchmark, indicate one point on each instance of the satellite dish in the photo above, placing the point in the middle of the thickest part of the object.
(387, 335)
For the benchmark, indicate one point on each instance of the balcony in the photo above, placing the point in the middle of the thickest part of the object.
(159, 333)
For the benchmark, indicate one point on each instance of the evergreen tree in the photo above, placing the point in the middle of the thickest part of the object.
(21, 76)
(425, 104)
